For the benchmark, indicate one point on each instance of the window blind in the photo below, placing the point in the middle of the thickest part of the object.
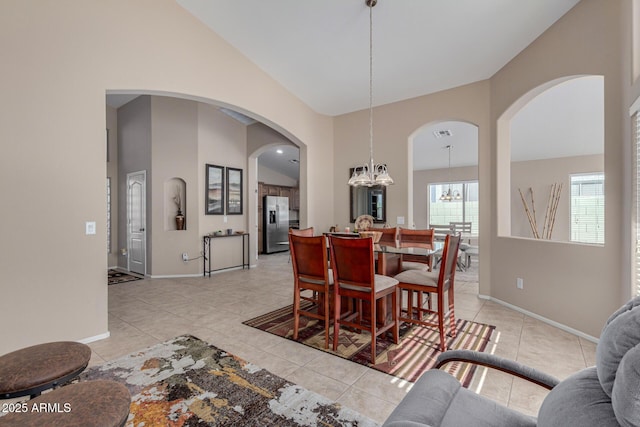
(636, 194)
(587, 208)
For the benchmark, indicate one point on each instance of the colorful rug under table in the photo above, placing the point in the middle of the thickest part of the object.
(116, 276)
(414, 354)
(187, 382)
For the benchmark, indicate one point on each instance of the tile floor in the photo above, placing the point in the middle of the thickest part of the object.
(149, 311)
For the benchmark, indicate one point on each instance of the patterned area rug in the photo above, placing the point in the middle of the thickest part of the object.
(187, 382)
(116, 276)
(416, 352)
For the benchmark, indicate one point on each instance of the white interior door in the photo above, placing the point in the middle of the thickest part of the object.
(136, 222)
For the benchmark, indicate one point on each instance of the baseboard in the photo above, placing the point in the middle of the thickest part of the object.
(541, 318)
(95, 338)
(175, 276)
(172, 276)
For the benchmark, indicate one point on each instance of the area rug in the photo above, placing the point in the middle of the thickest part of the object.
(116, 276)
(187, 382)
(416, 352)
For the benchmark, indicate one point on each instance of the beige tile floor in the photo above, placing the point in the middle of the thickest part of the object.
(146, 312)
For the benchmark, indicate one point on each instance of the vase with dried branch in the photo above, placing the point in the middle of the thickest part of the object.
(550, 212)
(177, 199)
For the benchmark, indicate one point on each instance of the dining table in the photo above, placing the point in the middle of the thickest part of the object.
(389, 258)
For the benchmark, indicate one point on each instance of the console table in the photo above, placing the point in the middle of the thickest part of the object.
(207, 241)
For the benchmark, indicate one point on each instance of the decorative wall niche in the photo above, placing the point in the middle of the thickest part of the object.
(175, 202)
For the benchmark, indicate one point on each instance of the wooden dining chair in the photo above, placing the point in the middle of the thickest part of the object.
(389, 236)
(419, 281)
(422, 239)
(306, 232)
(354, 277)
(311, 273)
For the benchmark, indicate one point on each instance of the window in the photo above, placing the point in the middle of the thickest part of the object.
(108, 215)
(636, 167)
(587, 208)
(464, 209)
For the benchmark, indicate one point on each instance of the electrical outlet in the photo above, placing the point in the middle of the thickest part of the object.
(519, 283)
(185, 257)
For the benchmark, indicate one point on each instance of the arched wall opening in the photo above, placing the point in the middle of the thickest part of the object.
(443, 155)
(250, 216)
(550, 163)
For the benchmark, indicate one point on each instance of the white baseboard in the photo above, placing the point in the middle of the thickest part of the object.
(171, 276)
(95, 338)
(175, 276)
(541, 318)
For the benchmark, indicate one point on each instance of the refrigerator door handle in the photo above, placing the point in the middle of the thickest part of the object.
(277, 216)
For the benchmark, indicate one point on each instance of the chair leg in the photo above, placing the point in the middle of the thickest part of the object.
(372, 329)
(336, 320)
(296, 310)
(441, 321)
(327, 315)
(410, 303)
(452, 316)
(397, 295)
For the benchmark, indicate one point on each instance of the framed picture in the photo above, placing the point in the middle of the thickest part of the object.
(234, 191)
(214, 197)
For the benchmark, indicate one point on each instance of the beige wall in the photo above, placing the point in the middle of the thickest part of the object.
(174, 157)
(394, 126)
(575, 285)
(222, 141)
(63, 59)
(525, 175)
(53, 164)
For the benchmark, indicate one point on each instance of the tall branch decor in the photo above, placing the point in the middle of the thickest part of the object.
(549, 215)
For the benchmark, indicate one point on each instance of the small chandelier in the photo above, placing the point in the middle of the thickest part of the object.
(371, 173)
(450, 195)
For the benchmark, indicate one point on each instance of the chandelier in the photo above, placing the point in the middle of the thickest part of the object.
(450, 195)
(371, 173)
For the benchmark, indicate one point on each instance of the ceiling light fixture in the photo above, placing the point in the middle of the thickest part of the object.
(370, 174)
(449, 195)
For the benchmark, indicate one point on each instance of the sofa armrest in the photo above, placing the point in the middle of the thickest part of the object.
(505, 365)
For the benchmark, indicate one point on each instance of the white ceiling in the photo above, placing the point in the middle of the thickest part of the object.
(563, 121)
(286, 163)
(319, 50)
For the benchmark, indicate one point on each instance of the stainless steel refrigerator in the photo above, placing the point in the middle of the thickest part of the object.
(275, 224)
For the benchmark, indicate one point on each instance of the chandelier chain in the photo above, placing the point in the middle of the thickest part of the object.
(371, 84)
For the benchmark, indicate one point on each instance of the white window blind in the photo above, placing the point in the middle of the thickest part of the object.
(636, 167)
(587, 208)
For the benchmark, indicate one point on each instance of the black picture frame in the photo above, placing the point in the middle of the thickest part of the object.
(234, 191)
(214, 190)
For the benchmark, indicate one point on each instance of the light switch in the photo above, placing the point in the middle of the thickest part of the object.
(90, 227)
(400, 220)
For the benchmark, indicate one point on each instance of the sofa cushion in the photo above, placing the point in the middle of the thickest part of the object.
(626, 392)
(621, 334)
(577, 401)
(437, 399)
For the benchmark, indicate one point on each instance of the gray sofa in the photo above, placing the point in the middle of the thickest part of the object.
(607, 394)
